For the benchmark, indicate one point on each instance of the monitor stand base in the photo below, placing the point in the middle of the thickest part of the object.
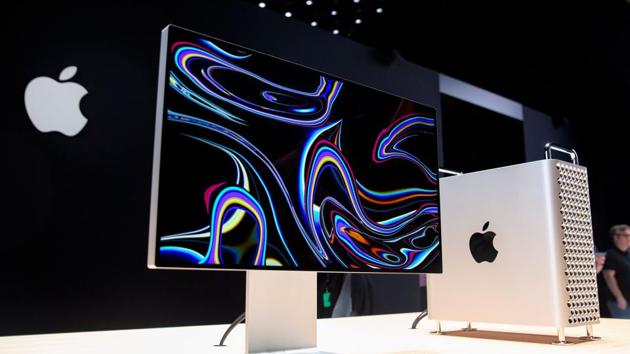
(280, 310)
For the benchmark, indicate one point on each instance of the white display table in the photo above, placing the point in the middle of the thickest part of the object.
(369, 334)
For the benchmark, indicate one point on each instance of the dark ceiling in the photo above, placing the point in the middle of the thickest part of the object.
(546, 54)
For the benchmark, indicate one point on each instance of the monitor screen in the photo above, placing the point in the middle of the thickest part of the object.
(261, 163)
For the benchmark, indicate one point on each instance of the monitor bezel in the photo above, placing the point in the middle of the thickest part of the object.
(157, 149)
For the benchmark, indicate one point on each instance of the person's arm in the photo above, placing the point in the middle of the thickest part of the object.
(609, 277)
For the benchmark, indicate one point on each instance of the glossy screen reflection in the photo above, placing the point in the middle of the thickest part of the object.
(268, 164)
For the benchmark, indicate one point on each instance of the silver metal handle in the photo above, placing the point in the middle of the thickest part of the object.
(449, 172)
(555, 147)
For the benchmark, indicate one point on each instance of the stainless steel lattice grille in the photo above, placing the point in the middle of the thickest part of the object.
(579, 257)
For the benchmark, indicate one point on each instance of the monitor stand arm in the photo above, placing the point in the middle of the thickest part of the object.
(280, 310)
(234, 323)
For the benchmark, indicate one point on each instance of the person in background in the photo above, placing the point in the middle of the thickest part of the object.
(344, 294)
(422, 281)
(617, 271)
(602, 289)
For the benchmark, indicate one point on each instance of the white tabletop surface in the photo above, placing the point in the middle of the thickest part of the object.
(365, 335)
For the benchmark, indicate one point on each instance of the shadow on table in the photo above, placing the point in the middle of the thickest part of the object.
(513, 337)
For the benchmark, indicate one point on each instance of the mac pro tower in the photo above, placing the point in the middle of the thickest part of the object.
(518, 248)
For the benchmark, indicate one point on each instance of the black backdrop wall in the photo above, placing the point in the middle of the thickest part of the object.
(75, 210)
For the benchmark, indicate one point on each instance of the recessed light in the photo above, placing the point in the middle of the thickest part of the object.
(333, 12)
(288, 14)
(379, 10)
(358, 21)
(356, 1)
(313, 23)
(335, 31)
(309, 2)
(262, 5)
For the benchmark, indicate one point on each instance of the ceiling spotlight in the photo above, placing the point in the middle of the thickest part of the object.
(379, 10)
(356, 1)
(309, 2)
(335, 31)
(262, 5)
(333, 12)
(313, 24)
(358, 21)
(288, 14)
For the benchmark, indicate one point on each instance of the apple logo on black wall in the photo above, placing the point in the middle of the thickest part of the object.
(481, 246)
(53, 106)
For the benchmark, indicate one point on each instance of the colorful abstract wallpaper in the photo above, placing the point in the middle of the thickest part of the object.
(266, 164)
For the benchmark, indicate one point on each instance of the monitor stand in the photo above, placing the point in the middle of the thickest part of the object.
(280, 310)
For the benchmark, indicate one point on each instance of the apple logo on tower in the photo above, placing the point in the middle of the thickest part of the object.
(481, 246)
(53, 106)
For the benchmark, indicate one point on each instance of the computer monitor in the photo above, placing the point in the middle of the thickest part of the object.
(263, 164)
